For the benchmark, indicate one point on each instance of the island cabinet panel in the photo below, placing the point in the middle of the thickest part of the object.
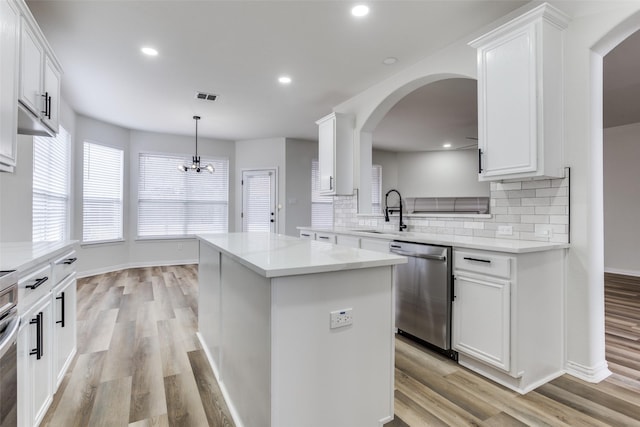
(266, 304)
(345, 369)
(209, 301)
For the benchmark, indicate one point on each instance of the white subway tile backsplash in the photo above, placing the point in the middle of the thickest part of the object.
(545, 183)
(535, 219)
(504, 186)
(551, 192)
(536, 210)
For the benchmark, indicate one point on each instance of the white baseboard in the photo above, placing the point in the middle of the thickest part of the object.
(634, 273)
(126, 266)
(592, 374)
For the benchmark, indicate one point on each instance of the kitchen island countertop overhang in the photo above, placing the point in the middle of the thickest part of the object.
(276, 255)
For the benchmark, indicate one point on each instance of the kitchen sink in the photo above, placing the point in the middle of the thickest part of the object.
(370, 231)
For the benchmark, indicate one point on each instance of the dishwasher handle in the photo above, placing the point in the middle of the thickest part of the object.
(419, 255)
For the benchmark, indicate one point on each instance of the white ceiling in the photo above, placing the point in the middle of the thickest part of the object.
(237, 49)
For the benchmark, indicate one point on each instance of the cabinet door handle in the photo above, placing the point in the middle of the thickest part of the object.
(37, 283)
(479, 160)
(330, 183)
(38, 350)
(69, 261)
(61, 298)
(488, 261)
(49, 107)
(46, 103)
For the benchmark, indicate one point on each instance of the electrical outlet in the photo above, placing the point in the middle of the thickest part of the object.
(341, 318)
(505, 230)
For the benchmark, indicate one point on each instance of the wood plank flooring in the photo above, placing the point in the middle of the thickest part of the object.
(139, 361)
(140, 364)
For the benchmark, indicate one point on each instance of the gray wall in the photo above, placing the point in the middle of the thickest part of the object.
(299, 155)
(622, 199)
(431, 173)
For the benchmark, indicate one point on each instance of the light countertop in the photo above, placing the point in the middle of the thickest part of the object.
(469, 242)
(274, 255)
(22, 256)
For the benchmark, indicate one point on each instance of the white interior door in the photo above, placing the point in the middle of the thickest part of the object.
(259, 200)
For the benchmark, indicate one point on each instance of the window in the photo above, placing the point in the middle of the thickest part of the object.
(376, 189)
(173, 203)
(321, 206)
(102, 193)
(51, 169)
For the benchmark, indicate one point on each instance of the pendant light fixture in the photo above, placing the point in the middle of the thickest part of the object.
(195, 160)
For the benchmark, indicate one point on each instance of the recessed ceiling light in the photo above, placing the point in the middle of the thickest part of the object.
(360, 10)
(390, 60)
(447, 145)
(285, 80)
(149, 51)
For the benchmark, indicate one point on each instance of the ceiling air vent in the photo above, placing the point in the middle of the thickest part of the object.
(206, 96)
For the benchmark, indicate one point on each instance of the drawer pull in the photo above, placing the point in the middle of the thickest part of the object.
(69, 261)
(488, 261)
(61, 298)
(306, 235)
(37, 283)
(323, 237)
(38, 322)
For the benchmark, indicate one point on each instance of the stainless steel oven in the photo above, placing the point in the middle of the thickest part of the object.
(9, 322)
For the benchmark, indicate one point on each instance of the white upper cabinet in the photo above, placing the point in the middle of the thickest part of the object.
(335, 154)
(520, 102)
(9, 44)
(39, 81)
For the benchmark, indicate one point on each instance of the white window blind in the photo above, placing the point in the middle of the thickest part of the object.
(173, 203)
(102, 193)
(321, 206)
(51, 169)
(376, 189)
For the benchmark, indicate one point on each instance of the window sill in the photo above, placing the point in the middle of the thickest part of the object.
(103, 242)
(160, 238)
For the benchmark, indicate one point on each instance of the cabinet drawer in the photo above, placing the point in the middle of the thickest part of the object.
(326, 237)
(304, 234)
(33, 286)
(482, 263)
(64, 266)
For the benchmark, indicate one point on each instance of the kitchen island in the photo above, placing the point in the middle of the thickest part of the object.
(298, 332)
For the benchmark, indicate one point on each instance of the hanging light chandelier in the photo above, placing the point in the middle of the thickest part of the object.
(195, 160)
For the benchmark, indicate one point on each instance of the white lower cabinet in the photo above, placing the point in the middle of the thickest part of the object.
(326, 237)
(35, 363)
(350, 241)
(64, 326)
(508, 315)
(481, 320)
(378, 245)
(47, 337)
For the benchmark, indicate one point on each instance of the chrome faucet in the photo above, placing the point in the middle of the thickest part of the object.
(388, 211)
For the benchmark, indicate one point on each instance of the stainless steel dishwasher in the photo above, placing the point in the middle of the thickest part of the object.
(424, 294)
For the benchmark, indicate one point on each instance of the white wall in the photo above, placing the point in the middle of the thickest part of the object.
(262, 154)
(299, 155)
(622, 199)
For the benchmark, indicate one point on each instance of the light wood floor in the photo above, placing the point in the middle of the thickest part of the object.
(140, 364)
